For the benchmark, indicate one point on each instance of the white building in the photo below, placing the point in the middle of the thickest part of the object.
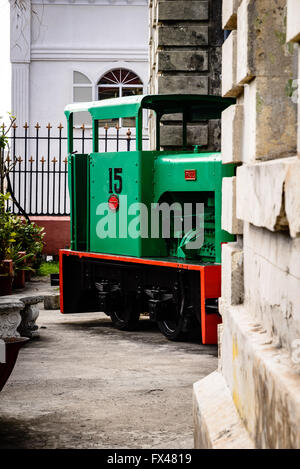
(64, 51)
(60, 50)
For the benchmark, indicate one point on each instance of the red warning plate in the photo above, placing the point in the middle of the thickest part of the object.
(190, 174)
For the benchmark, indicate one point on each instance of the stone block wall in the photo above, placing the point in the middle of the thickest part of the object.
(259, 365)
(185, 57)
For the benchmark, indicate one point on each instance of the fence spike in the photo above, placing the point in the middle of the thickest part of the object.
(54, 160)
(19, 159)
(14, 126)
(37, 126)
(128, 134)
(26, 126)
(83, 127)
(60, 126)
(31, 160)
(106, 126)
(43, 160)
(48, 126)
(117, 127)
(66, 160)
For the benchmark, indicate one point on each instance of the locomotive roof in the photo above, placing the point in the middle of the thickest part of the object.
(197, 106)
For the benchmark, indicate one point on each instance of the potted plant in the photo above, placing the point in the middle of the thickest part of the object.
(29, 237)
(6, 277)
(20, 266)
(6, 241)
(21, 242)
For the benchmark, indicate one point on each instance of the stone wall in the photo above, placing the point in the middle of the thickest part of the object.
(185, 57)
(258, 376)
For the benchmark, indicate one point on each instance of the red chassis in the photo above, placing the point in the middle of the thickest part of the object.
(210, 284)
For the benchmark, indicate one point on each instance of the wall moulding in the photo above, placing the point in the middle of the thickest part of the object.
(91, 2)
(88, 54)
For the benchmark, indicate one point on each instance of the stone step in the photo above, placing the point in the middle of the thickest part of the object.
(217, 424)
(52, 301)
(264, 380)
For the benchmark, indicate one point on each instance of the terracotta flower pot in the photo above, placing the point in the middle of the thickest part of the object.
(12, 346)
(19, 278)
(28, 275)
(6, 277)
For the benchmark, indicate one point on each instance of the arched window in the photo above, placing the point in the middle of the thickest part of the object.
(116, 83)
(82, 92)
(119, 82)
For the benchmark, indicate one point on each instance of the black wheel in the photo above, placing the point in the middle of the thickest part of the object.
(127, 318)
(179, 328)
(171, 328)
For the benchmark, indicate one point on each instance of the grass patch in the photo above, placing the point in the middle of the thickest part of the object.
(48, 268)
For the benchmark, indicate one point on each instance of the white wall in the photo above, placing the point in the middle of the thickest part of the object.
(49, 40)
(81, 36)
(5, 69)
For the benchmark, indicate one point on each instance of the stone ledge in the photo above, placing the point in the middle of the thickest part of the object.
(230, 222)
(232, 273)
(232, 134)
(276, 209)
(263, 380)
(229, 67)
(261, 26)
(217, 424)
(272, 282)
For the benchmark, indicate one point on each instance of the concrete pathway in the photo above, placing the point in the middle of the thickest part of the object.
(84, 384)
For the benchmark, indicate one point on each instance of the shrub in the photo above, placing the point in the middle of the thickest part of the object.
(17, 235)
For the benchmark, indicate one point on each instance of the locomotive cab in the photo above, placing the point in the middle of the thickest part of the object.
(146, 225)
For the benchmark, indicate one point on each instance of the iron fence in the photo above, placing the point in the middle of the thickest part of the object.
(39, 174)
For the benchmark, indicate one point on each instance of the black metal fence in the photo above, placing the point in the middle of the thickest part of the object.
(39, 174)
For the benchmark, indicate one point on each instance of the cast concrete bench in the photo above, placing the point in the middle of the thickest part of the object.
(19, 312)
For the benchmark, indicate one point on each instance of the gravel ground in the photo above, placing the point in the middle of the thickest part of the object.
(84, 384)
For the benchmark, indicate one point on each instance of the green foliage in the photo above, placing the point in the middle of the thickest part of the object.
(48, 268)
(3, 141)
(30, 237)
(7, 234)
(18, 235)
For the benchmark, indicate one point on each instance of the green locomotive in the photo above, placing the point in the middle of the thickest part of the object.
(146, 225)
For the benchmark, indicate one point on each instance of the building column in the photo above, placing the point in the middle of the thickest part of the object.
(20, 92)
(20, 39)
